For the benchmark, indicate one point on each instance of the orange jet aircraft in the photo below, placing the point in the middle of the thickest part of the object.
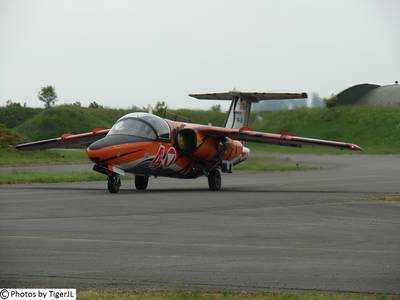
(146, 145)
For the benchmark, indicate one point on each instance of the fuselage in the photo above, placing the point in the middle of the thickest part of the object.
(145, 144)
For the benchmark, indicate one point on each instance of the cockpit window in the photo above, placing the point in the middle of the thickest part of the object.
(159, 125)
(136, 127)
(142, 125)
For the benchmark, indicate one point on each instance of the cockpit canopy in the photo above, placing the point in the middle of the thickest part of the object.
(142, 125)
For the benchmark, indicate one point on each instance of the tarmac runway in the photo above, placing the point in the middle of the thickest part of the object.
(325, 230)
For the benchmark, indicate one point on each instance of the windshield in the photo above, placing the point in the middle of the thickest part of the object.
(136, 127)
(159, 125)
(142, 125)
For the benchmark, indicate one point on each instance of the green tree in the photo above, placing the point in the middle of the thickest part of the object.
(94, 104)
(216, 108)
(10, 103)
(160, 109)
(48, 95)
(331, 102)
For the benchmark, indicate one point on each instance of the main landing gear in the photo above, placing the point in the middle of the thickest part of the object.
(141, 182)
(214, 180)
(113, 183)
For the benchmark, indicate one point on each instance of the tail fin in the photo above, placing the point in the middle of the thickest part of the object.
(239, 111)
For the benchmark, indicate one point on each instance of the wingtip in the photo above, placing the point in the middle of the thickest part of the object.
(194, 95)
(355, 147)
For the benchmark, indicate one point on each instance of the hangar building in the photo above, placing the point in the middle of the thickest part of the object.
(370, 95)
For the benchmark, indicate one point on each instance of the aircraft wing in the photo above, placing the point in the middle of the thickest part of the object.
(66, 141)
(272, 138)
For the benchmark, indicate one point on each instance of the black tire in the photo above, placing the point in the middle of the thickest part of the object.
(141, 182)
(113, 183)
(214, 180)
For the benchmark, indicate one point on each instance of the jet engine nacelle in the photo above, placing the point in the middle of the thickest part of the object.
(191, 142)
(194, 143)
(233, 149)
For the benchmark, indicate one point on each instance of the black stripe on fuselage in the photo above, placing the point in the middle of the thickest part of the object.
(118, 156)
(117, 139)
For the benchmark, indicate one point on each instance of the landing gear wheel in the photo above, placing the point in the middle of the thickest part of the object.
(141, 182)
(113, 183)
(214, 180)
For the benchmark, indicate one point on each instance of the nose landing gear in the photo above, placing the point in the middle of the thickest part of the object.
(113, 183)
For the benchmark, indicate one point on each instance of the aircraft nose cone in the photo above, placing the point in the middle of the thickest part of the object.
(112, 146)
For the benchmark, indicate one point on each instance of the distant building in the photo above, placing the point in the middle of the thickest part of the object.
(370, 95)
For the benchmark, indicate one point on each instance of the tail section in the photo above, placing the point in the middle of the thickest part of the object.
(239, 111)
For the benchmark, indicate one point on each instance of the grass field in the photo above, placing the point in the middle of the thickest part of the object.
(14, 116)
(92, 295)
(264, 148)
(267, 163)
(67, 119)
(260, 162)
(9, 137)
(376, 129)
(49, 177)
(10, 157)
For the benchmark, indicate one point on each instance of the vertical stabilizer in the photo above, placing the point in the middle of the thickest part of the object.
(238, 114)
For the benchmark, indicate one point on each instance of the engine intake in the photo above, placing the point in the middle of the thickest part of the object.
(194, 143)
(186, 141)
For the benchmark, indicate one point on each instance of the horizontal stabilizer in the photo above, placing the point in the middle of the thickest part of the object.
(249, 96)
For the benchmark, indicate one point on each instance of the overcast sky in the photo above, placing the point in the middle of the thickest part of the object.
(124, 53)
